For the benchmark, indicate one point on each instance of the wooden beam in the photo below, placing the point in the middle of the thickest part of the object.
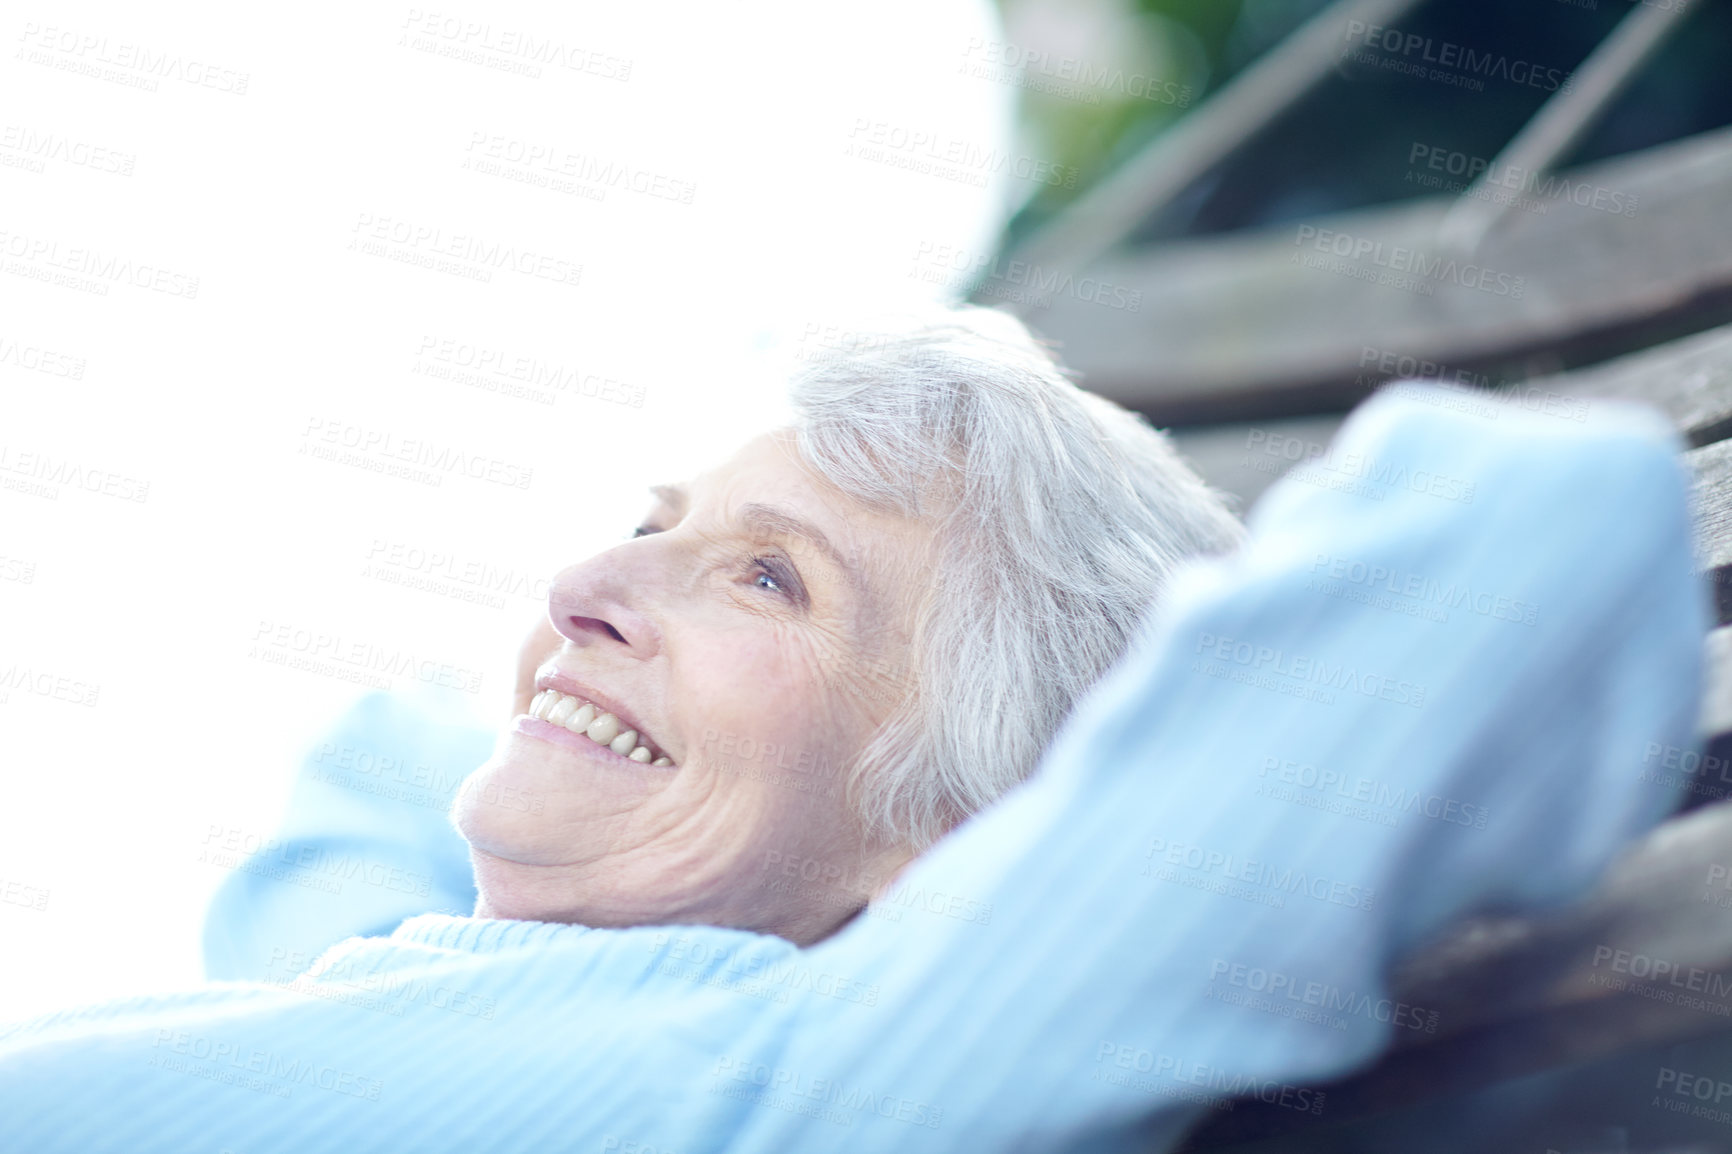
(1271, 322)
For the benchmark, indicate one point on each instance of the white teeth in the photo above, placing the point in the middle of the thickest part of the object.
(579, 721)
(603, 729)
(579, 716)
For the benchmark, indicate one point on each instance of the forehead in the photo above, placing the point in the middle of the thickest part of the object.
(770, 465)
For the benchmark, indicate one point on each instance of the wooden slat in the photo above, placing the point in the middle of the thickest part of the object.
(1690, 379)
(1712, 777)
(1717, 695)
(1603, 1029)
(1712, 467)
(1519, 995)
(1232, 327)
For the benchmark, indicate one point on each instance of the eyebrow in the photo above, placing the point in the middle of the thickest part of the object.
(770, 520)
(779, 522)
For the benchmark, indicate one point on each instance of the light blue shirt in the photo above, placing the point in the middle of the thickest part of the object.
(1433, 683)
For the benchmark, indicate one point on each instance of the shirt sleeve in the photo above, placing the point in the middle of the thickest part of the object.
(366, 842)
(1427, 687)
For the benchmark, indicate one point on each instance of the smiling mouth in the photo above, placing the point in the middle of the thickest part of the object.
(586, 719)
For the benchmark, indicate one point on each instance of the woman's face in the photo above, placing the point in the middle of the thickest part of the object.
(754, 635)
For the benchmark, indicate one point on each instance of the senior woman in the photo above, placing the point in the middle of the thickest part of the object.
(857, 631)
(912, 593)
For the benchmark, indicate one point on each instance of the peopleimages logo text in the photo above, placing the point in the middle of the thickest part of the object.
(1448, 54)
(1041, 283)
(1412, 261)
(1307, 669)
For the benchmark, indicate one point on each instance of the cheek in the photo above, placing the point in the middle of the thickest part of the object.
(771, 696)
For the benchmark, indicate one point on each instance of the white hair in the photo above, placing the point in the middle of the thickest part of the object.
(1058, 517)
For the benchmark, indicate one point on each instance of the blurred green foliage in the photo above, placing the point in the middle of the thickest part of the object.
(1190, 44)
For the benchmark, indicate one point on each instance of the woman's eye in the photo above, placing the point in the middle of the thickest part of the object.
(769, 576)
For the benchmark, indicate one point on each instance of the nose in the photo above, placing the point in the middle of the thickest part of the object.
(600, 602)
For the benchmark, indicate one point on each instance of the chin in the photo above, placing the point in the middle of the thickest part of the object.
(508, 808)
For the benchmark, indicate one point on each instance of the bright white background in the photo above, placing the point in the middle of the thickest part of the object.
(158, 604)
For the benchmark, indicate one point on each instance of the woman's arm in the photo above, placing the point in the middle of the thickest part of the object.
(1427, 687)
(366, 842)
